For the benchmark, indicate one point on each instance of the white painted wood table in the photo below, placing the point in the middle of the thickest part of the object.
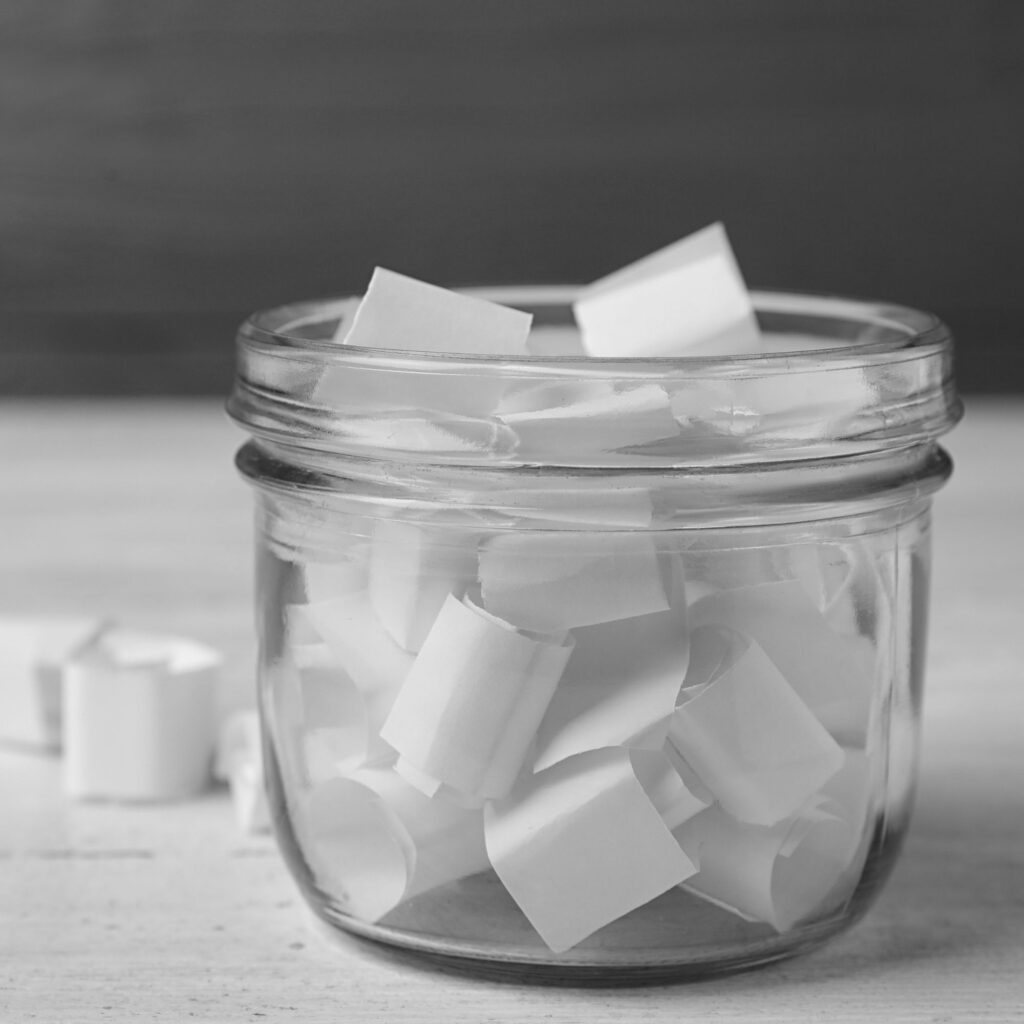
(169, 914)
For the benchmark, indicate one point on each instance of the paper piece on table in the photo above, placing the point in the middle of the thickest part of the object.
(551, 582)
(752, 741)
(361, 645)
(832, 672)
(400, 312)
(142, 729)
(686, 299)
(413, 569)
(581, 844)
(777, 875)
(239, 762)
(468, 710)
(622, 418)
(619, 688)
(33, 653)
(374, 841)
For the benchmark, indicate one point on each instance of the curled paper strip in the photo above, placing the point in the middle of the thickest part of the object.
(777, 875)
(583, 843)
(752, 741)
(832, 672)
(139, 717)
(686, 299)
(400, 312)
(614, 420)
(552, 582)
(468, 710)
(412, 571)
(375, 841)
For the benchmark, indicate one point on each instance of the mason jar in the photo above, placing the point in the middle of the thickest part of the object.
(594, 669)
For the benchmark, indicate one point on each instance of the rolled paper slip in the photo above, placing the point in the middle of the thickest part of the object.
(139, 718)
(33, 653)
(619, 688)
(399, 312)
(752, 741)
(359, 643)
(777, 875)
(584, 842)
(412, 570)
(374, 841)
(621, 419)
(468, 710)
(832, 672)
(686, 299)
(551, 582)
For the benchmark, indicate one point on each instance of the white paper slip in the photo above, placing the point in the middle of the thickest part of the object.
(33, 653)
(142, 729)
(412, 570)
(468, 710)
(400, 312)
(752, 741)
(551, 582)
(622, 418)
(832, 672)
(249, 798)
(373, 841)
(581, 844)
(686, 299)
(238, 740)
(619, 688)
(239, 762)
(777, 875)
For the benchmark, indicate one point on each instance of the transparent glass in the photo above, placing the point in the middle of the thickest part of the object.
(543, 704)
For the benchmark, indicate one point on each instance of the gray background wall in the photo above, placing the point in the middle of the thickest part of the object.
(168, 165)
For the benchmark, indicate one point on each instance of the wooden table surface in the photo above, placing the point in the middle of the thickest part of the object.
(170, 914)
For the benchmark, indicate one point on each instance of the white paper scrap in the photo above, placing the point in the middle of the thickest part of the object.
(686, 299)
(468, 710)
(550, 582)
(400, 312)
(832, 672)
(752, 741)
(248, 795)
(375, 841)
(777, 875)
(581, 844)
(33, 653)
(239, 762)
(412, 570)
(144, 730)
(238, 740)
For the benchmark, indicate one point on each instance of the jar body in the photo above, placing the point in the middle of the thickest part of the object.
(797, 747)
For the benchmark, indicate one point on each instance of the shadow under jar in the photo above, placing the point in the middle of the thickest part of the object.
(584, 670)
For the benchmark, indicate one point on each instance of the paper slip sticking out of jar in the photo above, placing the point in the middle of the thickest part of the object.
(33, 653)
(376, 841)
(468, 710)
(586, 841)
(139, 718)
(399, 312)
(686, 299)
(777, 875)
(552, 582)
(752, 741)
(239, 763)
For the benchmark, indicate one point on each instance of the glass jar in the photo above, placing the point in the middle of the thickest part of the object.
(594, 670)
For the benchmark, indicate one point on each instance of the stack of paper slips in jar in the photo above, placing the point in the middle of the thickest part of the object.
(598, 718)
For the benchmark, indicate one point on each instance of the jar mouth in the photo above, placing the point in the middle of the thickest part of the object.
(839, 376)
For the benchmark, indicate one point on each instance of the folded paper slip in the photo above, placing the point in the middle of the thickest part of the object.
(777, 875)
(400, 312)
(412, 570)
(33, 653)
(468, 710)
(832, 672)
(586, 841)
(139, 718)
(752, 741)
(686, 299)
(551, 582)
(373, 841)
